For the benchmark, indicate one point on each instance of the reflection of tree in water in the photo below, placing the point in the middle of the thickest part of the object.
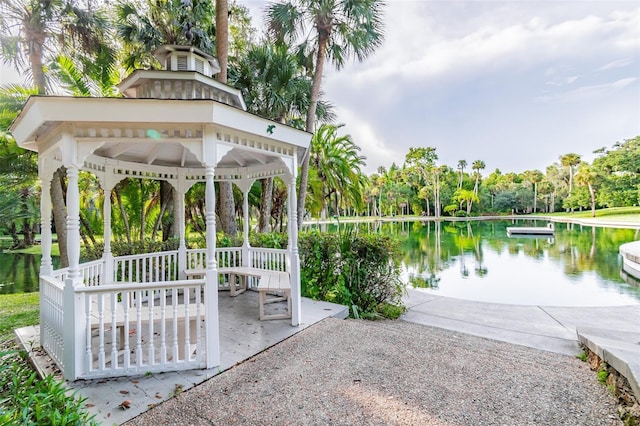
(430, 281)
(432, 247)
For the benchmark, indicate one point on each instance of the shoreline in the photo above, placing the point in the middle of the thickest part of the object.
(600, 223)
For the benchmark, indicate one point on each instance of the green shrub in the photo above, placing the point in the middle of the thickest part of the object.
(123, 248)
(361, 271)
(27, 400)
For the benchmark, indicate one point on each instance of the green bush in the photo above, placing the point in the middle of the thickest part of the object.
(122, 248)
(361, 271)
(27, 400)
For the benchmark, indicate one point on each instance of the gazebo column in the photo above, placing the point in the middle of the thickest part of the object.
(245, 186)
(73, 302)
(212, 331)
(46, 266)
(294, 257)
(107, 256)
(180, 191)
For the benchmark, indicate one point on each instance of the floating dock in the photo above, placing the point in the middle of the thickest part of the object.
(531, 230)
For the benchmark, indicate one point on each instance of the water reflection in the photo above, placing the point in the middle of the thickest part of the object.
(19, 271)
(580, 266)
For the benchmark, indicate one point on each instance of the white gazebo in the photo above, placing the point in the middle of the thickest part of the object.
(147, 313)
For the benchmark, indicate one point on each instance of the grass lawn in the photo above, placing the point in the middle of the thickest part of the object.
(37, 249)
(618, 214)
(18, 310)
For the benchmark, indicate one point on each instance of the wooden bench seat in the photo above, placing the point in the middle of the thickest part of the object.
(269, 282)
(274, 282)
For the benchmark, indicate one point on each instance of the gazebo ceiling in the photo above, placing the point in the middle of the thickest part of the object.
(157, 132)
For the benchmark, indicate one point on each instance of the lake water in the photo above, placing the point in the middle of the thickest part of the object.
(475, 260)
(18, 271)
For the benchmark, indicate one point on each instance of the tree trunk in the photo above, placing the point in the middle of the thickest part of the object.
(86, 231)
(123, 213)
(226, 209)
(167, 202)
(60, 215)
(266, 204)
(592, 193)
(311, 118)
(222, 38)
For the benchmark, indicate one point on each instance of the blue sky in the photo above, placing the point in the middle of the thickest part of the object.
(515, 84)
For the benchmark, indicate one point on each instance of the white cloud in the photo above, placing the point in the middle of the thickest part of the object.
(415, 50)
(620, 63)
(371, 140)
(589, 92)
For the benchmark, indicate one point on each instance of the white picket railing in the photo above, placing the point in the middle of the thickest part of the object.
(143, 319)
(227, 257)
(146, 268)
(52, 317)
(140, 328)
(91, 273)
(270, 259)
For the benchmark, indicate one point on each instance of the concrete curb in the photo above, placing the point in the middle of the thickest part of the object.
(619, 349)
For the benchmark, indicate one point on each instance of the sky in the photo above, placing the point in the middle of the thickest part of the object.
(515, 84)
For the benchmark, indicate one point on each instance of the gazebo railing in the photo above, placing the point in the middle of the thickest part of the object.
(143, 319)
(270, 259)
(145, 268)
(227, 257)
(91, 272)
(143, 327)
(52, 317)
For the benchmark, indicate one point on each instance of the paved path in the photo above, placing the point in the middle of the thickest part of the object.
(611, 331)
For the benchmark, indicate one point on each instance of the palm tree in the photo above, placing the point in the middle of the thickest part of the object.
(338, 29)
(570, 161)
(273, 86)
(535, 177)
(586, 176)
(477, 166)
(461, 165)
(145, 25)
(338, 163)
(226, 205)
(465, 196)
(40, 29)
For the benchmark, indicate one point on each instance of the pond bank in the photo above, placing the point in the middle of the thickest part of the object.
(603, 222)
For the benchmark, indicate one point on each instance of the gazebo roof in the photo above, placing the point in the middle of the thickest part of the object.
(174, 118)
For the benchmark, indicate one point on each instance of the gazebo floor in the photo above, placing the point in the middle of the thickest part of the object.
(242, 335)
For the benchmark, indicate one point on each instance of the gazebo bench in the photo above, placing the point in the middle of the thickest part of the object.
(269, 282)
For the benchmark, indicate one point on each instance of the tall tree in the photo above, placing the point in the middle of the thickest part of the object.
(586, 176)
(145, 25)
(41, 29)
(338, 164)
(274, 86)
(226, 207)
(339, 29)
(477, 166)
(461, 165)
(534, 177)
(570, 161)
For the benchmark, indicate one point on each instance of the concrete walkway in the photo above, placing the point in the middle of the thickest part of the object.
(613, 332)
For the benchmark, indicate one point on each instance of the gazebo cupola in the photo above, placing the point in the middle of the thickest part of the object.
(188, 74)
